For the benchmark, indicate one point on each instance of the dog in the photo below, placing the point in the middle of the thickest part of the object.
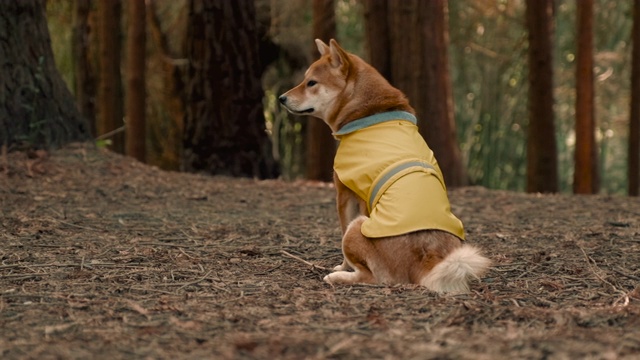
(391, 198)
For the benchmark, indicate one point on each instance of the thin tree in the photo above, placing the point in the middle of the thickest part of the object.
(634, 114)
(136, 95)
(110, 113)
(224, 129)
(36, 108)
(408, 44)
(542, 162)
(321, 146)
(585, 177)
(84, 74)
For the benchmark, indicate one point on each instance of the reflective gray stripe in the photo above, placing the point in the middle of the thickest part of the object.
(390, 174)
(376, 119)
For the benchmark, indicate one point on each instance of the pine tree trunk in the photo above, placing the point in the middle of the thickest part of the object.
(406, 56)
(542, 163)
(36, 108)
(85, 81)
(109, 105)
(224, 126)
(378, 37)
(634, 115)
(420, 69)
(136, 94)
(438, 124)
(173, 92)
(585, 179)
(321, 146)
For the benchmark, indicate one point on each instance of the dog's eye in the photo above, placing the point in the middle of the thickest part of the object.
(310, 83)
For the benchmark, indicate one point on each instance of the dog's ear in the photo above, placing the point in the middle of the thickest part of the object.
(322, 47)
(339, 57)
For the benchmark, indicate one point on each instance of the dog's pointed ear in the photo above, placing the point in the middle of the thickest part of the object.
(322, 47)
(339, 57)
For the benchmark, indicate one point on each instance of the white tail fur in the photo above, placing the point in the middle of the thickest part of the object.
(452, 275)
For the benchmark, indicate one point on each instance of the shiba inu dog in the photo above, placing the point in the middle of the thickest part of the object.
(391, 198)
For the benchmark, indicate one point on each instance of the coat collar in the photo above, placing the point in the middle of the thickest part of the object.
(376, 119)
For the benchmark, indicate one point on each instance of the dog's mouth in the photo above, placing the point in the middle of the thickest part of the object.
(307, 111)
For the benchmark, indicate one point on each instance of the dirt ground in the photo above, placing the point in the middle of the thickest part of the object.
(103, 257)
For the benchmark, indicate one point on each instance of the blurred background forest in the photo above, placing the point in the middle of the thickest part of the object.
(488, 67)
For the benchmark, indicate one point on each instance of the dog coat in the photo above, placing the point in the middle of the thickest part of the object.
(386, 162)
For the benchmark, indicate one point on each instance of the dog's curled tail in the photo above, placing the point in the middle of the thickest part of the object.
(452, 275)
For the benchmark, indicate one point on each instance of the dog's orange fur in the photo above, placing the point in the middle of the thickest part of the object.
(343, 88)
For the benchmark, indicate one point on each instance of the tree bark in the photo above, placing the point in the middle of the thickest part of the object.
(321, 146)
(406, 57)
(542, 163)
(36, 108)
(376, 13)
(136, 94)
(420, 69)
(634, 114)
(110, 111)
(224, 126)
(585, 178)
(174, 88)
(438, 123)
(85, 81)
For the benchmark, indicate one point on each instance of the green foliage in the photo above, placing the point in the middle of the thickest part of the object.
(350, 25)
(489, 76)
(489, 72)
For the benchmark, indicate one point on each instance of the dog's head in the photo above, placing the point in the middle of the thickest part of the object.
(323, 82)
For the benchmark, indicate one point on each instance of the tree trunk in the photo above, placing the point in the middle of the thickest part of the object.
(85, 81)
(542, 162)
(376, 13)
(420, 69)
(110, 112)
(321, 146)
(136, 95)
(36, 108)
(224, 125)
(634, 115)
(406, 57)
(173, 91)
(438, 124)
(585, 177)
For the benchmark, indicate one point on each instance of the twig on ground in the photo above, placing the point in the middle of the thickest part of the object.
(182, 285)
(632, 277)
(168, 244)
(73, 225)
(591, 267)
(303, 260)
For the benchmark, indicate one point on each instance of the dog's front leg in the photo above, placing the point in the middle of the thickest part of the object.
(349, 206)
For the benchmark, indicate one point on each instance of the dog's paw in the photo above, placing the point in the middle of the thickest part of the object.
(341, 267)
(341, 277)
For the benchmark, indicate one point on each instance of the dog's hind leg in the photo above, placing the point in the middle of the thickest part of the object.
(355, 248)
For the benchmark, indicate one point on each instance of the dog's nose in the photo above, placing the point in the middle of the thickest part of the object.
(283, 99)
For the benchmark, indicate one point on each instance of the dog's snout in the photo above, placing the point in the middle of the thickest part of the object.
(283, 99)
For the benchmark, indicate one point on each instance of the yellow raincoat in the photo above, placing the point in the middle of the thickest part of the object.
(386, 162)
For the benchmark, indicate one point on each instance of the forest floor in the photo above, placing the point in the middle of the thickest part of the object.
(104, 257)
